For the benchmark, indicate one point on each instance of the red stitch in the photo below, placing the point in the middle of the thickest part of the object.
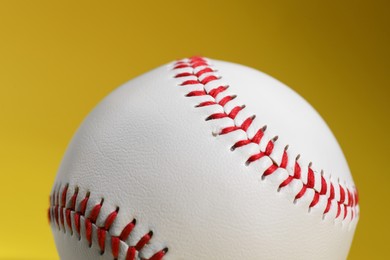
(202, 71)
(77, 222)
(338, 210)
(73, 199)
(328, 206)
(255, 157)
(94, 213)
(246, 124)
(208, 79)
(258, 136)
(189, 82)
(331, 197)
(225, 100)
(143, 241)
(233, 113)
(198, 63)
(332, 194)
(216, 116)
(241, 143)
(301, 193)
(286, 182)
(159, 255)
(297, 175)
(270, 170)
(229, 129)
(350, 199)
(88, 231)
(284, 162)
(68, 220)
(206, 103)
(63, 196)
(310, 178)
(323, 186)
(196, 93)
(181, 66)
(184, 74)
(110, 219)
(297, 170)
(214, 92)
(315, 200)
(127, 230)
(62, 220)
(101, 234)
(83, 204)
(115, 246)
(269, 148)
(342, 194)
(131, 252)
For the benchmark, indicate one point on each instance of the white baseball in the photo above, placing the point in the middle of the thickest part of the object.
(203, 159)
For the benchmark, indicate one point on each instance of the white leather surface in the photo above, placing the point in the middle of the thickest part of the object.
(148, 150)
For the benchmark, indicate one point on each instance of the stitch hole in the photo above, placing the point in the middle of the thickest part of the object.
(215, 134)
(273, 161)
(295, 201)
(263, 177)
(286, 148)
(297, 158)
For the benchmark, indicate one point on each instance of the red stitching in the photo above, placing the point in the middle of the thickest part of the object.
(59, 213)
(191, 66)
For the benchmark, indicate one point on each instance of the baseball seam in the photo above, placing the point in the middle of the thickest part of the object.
(197, 71)
(70, 214)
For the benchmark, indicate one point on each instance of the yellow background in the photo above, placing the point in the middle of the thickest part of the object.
(59, 59)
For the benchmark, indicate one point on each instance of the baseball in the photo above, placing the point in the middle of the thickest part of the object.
(203, 159)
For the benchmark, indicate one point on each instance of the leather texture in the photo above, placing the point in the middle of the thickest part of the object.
(147, 149)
